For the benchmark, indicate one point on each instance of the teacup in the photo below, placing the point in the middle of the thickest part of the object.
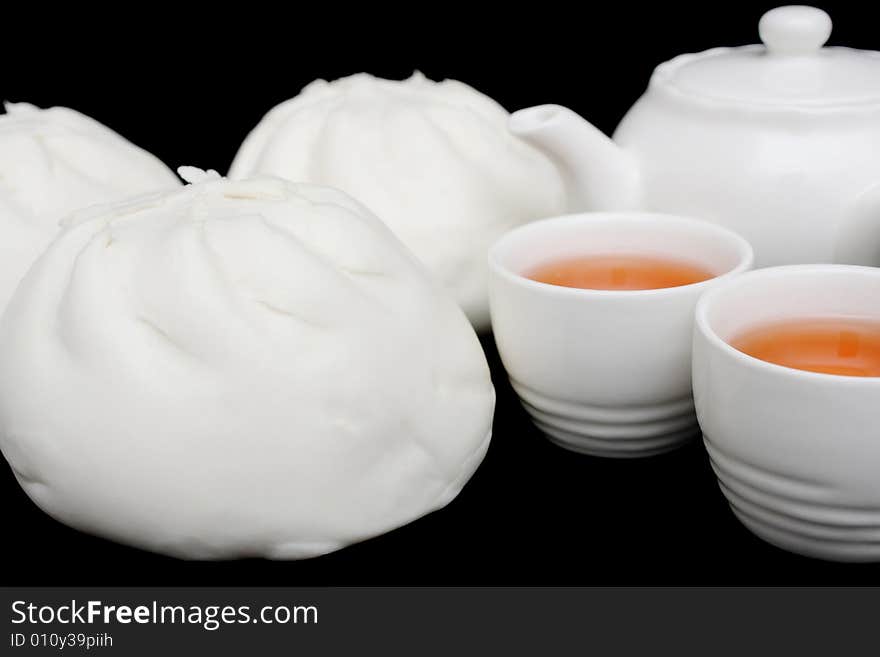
(797, 453)
(605, 372)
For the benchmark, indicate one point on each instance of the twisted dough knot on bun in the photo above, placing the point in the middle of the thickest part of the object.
(53, 162)
(434, 160)
(238, 368)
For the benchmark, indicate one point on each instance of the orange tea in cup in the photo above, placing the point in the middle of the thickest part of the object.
(834, 345)
(620, 271)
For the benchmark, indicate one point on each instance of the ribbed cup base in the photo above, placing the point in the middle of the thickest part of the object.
(621, 432)
(795, 514)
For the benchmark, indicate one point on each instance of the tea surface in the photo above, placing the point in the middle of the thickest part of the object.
(620, 272)
(835, 345)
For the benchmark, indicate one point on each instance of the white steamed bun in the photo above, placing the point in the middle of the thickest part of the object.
(434, 160)
(253, 368)
(55, 161)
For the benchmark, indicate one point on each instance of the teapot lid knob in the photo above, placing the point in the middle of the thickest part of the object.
(794, 30)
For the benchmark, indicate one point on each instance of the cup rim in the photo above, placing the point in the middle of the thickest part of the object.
(743, 247)
(702, 323)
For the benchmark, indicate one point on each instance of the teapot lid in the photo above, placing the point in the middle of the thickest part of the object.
(790, 69)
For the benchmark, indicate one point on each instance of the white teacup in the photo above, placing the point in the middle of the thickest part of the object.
(605, 372)
(797, 453)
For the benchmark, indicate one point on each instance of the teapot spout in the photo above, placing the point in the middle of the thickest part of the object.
(599, 175)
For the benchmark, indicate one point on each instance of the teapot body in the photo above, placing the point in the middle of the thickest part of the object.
(791, 181)
(778, 141)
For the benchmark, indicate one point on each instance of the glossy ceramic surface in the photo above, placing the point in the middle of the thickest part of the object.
(605, 372)
(797, 453)
(779, 142)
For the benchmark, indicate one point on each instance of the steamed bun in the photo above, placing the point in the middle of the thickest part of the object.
(251, 368)
(434, 160)
(55, 161)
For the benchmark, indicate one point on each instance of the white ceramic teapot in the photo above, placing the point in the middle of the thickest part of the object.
(780, 142)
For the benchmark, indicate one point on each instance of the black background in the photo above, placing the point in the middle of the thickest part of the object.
(188, 86)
